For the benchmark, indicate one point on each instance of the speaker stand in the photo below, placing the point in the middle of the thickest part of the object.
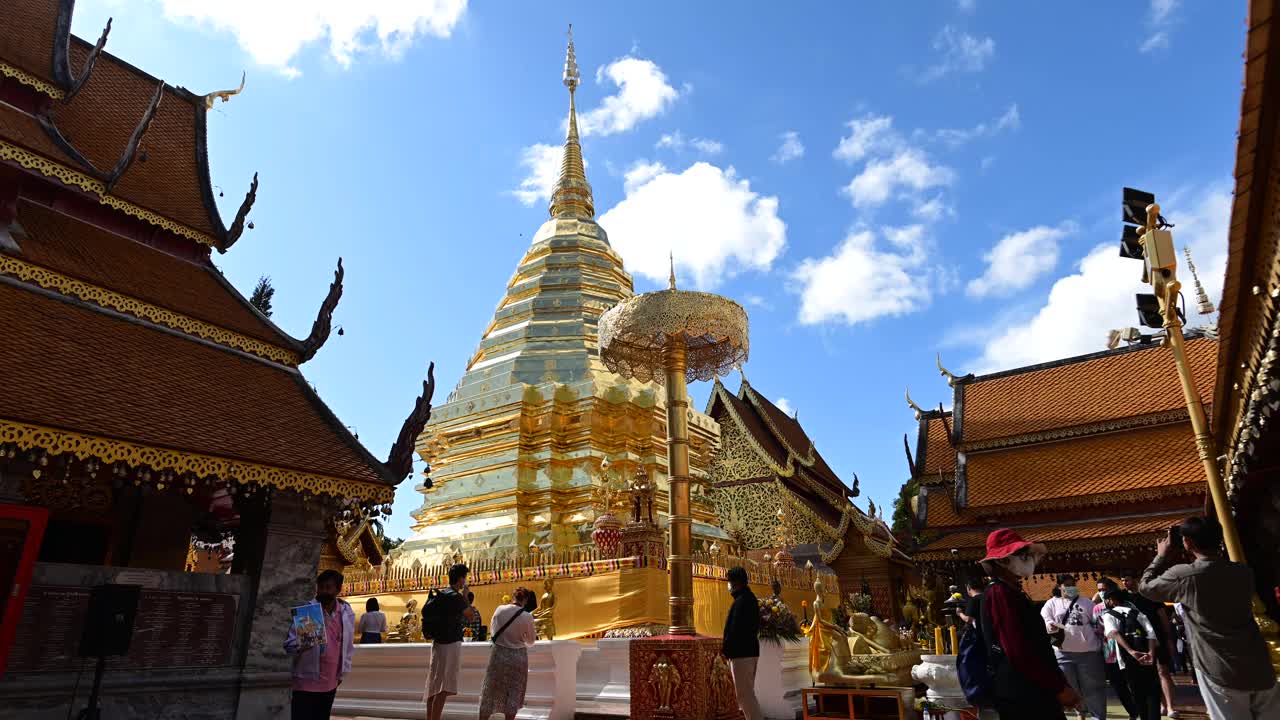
(91, 711)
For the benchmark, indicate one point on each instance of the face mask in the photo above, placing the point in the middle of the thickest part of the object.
(1021, 567)
(325, 598)
(1070, 591)
(1102, 594)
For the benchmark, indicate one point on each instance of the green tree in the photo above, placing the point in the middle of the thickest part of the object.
(262, 295)
(903, 517)
(389, 544)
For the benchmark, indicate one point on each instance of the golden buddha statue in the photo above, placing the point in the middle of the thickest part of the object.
(864, 636)
(868, 654)
(543, 618)
(409, 629)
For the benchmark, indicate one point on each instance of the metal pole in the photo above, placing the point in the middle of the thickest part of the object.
(679, 517)
(1204, 440)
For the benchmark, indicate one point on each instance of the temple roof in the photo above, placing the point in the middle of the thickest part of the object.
(1096, 534)
(1086, 471)
(781, 439)
(93, 373)
(941, 510)
(1141, 380)
(939, 453)
(192, 287)
(81, 134)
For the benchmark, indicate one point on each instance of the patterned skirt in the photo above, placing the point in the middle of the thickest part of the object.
(504, 681)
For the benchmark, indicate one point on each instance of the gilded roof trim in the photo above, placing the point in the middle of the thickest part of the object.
(55, 441)
(806, 460)
(75, 178)
(88, 292)
(31, 81)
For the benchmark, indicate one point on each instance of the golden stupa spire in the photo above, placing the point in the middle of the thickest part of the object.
(572, 194)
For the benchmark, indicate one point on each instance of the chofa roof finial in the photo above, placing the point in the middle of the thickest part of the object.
(951, 378)
(912, 404)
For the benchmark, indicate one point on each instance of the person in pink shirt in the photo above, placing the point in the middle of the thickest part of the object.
(317, 671)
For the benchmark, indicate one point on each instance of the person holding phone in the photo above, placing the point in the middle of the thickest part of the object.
(1237, 681)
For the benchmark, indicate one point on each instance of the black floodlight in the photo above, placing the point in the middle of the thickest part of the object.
(1149, 311)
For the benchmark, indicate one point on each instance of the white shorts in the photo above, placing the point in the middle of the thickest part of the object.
(443, 675)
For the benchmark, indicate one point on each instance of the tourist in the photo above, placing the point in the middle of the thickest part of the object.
(1026, 679)
(444, 615)
(1068, 618)
(476, 623)
(1135, 637)
(973, 586)
(1234, 670)
(742, 642)
(318, 670)
(1115, 676)
(507, 675)
(1158, 614)
(373, 623)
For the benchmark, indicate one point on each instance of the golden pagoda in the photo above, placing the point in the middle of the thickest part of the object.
(538, 422)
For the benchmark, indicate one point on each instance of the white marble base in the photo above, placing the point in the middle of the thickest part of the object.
(387, 681)
(939, 672)
(604, 677)
(783, 670)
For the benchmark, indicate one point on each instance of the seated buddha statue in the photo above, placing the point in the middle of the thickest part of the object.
(409, 629)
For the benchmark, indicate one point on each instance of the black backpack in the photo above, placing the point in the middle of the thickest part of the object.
(1132, 631)
(435, 613)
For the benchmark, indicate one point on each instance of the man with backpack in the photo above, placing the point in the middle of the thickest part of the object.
(1234, 670)
(1135, 638)
(1068, 618)
(443, 616)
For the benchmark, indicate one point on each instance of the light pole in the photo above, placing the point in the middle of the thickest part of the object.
(671, 337)
(1153, 243)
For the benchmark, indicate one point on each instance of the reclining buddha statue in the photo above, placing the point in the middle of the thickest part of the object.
(867, 654)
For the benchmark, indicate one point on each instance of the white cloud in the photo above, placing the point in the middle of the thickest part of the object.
(1018, 260)
(961, 53)
(955, 137)
(643, 93)
(676, 141)
(757, 301)
(273, 32)
(711, 219)
(1158, 40)
(967, 5)
(863, 279)
(909, 169)
(1160, 19)
(1098, 296)
(790, 149)
(785, 406)
(869, 134)
(542, 163)
(933, 210)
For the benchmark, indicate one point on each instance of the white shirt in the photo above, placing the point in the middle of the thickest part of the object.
(519, 634)
(373, 622)
(1081, 635)
(1111, 624)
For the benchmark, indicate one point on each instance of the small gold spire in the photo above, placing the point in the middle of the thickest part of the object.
(572, 194)
(672, 278)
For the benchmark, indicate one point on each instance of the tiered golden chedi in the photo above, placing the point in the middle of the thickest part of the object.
(517, 449)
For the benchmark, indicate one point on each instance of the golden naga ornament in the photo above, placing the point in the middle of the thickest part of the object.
(224, 94)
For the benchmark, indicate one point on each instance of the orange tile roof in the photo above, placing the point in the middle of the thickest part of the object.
(1113, 386)
(79, 250)
(100, 119)
(26, 36)
(80, 370)
(19, 128)
(1106, 528)
(940, 454)
(1128, 460)
(941, 511)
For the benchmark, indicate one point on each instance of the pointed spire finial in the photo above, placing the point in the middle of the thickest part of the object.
(1202, 298)
(572, 194)
(672, 278)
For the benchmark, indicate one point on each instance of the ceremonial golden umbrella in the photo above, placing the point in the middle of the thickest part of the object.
(671, 337)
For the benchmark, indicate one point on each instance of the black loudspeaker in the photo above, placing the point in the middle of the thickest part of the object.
(108, 625)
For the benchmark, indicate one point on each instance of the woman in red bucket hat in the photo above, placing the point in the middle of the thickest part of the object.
(1026, 681)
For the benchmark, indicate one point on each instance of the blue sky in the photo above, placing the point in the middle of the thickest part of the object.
(874, 182)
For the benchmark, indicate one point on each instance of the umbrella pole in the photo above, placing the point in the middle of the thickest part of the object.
(679, 516)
